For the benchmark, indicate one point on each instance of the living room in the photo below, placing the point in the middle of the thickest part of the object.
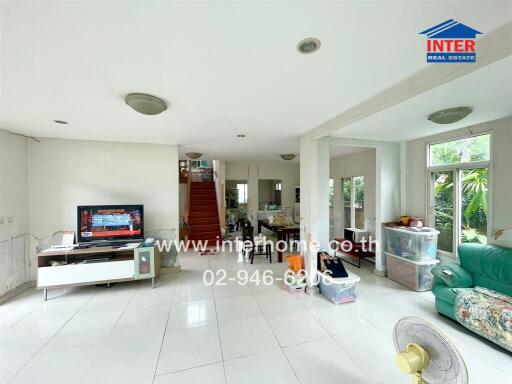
(238, 192)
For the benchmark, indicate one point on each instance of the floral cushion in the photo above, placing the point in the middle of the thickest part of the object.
(496, 295)
(483, 312)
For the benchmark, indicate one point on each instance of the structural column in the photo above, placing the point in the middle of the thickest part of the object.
(314, 198)
(388, 195)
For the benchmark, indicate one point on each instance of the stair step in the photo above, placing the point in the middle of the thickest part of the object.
(213, 227)
(203, 220)
(202, 214)
(203, 208)
(204, 236)
(196, 199)
(198, 208)
(202, 185)
(202, 192)
(203, 203)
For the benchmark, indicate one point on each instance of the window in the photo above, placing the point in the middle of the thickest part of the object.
(353, 202)
(279, 186)
(347, 201)
(331, 193)
(458, 203)
(471, 149)
(242, 193)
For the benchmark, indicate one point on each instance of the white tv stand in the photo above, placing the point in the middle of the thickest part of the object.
(122, 265)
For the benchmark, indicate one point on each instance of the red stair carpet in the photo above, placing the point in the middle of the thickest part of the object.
(203, 214)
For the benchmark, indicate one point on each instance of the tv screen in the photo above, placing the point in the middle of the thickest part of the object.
(110, 222)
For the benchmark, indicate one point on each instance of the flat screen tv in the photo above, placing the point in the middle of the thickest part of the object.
(98, 223)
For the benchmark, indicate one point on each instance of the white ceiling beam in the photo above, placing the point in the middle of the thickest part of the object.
(361, 143)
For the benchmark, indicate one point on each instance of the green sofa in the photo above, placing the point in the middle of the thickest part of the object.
(478, 292)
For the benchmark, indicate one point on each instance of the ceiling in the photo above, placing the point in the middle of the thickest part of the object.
(223, 67)
(488, 90)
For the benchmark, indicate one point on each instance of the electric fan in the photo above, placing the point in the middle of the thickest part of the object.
(427, 354)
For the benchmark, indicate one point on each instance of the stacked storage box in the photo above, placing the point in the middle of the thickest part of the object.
(339, 289)
(411, 254)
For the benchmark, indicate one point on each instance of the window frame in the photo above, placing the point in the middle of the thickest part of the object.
(457, 168)
(352, 223)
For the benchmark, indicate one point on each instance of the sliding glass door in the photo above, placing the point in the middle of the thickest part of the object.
(459, 185)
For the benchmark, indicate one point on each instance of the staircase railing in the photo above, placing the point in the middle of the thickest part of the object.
(186, 211)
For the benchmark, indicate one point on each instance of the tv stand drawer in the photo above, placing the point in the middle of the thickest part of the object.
(82, 274)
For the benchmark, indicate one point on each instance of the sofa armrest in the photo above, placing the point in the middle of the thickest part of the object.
(453, 275)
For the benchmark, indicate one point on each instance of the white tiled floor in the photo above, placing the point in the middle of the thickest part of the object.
(185, 332)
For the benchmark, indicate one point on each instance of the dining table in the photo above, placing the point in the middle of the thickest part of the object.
(282, 231)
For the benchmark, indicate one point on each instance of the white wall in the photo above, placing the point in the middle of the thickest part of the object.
(501, 173)
(289, 174)
(358, 164)
(67, 173)
(14, 225)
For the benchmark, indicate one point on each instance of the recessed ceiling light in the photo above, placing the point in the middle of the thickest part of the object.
(241, 135)
(450, 115)
(145, 104)
(308, 45)
(60, 121)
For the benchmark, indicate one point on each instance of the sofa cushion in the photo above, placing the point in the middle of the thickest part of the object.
(442, 292)
(485, 315)
(491, 266)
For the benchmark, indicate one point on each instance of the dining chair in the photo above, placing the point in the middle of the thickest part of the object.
(255, 246)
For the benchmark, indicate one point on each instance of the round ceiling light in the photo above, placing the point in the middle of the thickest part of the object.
(60, 122)
(288, 156)
(145, 104)
(450, 115)
(308, 45)
(194, 155)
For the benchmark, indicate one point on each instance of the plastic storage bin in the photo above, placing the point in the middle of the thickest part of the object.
(412, 274)
(411, 243)
(340, 289)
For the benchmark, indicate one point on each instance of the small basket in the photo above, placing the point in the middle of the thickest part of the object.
(296, 289)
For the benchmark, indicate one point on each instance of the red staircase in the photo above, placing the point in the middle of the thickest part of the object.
(203, 215)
